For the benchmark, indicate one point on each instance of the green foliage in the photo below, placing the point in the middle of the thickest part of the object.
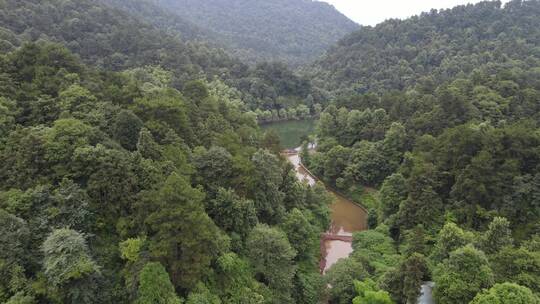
(67, 257)
(155, 286)
(68, 266)
(202, 295)
(181, 235)
(14, 236)
(126, 129)
(497, 236)
(506, 293)
(14, 254)
(150, 174)
(393, 192)
(450, 238)
(368, 293)
(415, 240)
(147, 146)
(429, 49)
(295, 32)
(63, 139)
(214, 167)
(265, 185)
(232, 213)
(130, 249)
(301, 234)
(21, 298)
(517, 265)
(7, 116)
(405, 281)
(308, 286)
(158, 45)
(272, 258)
(376, 249)
(376, 147)
(236, 281)
(460, 277)
(423, 204)
(163, 165)
(341, 277)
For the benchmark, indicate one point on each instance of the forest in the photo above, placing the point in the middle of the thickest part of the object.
(443, 120)
(108, 34)
(294, 31)
(114, 184)
(133, 168)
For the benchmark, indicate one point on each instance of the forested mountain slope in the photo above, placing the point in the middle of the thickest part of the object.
(441, 114)
(133, 171)
(117, 188)
(295, 31)
(431, 48)
(151, 12)
(111, 37)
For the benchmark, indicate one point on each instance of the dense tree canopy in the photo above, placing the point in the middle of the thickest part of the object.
(292, 31)
(439, 112)
(119, 35)
(133, 169)
(433, 47)
(116, 191)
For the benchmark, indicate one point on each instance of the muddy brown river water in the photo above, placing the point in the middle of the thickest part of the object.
(347, 218)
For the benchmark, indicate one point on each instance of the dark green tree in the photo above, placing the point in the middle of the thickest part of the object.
(272, 257)
(301, 234)
(180, 233)
(232, 213)
(265, 186)
(126, 129)
(147, 146)
(341, 277)
(393, 192)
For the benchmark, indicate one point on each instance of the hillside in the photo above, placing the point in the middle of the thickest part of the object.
(152, 13)
(441, 114)
(108, 37)
(294, 31)
(435, 46)
(133, 168)
(113, 36)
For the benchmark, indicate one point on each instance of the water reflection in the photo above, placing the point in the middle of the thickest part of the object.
(336, 250)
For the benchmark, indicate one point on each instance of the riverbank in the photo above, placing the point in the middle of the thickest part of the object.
(347, 217)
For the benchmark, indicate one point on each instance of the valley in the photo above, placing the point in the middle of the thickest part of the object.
(268, 152)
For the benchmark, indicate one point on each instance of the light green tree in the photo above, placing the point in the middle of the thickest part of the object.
(368, 293)
(69, 268)
(460, 277)
(155, 287)
(506, 293)
(497, 236)
(450, 238)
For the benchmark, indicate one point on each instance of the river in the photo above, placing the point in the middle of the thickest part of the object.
(347, 218)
